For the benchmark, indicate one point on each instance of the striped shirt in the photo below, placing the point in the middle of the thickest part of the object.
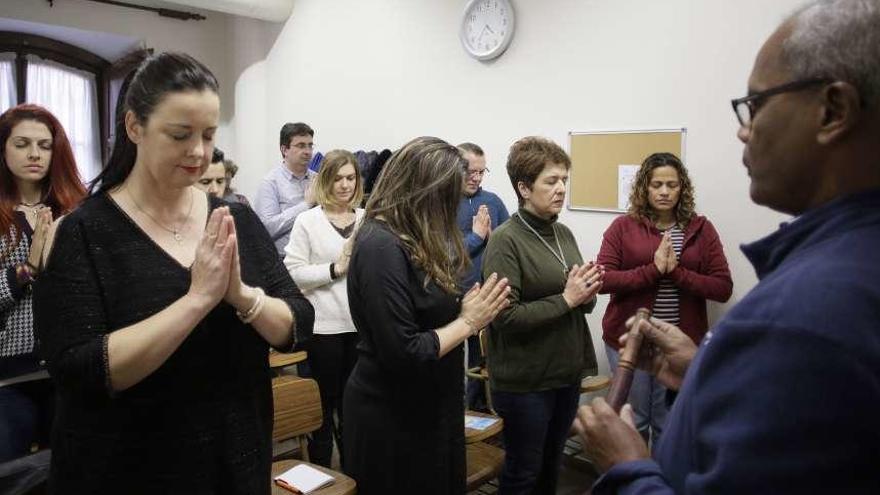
(666, 302)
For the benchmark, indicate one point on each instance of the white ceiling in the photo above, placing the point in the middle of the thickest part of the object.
(105, 45)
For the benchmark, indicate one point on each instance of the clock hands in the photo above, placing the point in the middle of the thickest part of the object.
(486, 29)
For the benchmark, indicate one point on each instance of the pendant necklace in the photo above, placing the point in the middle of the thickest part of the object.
(174, 231)
(559, 257)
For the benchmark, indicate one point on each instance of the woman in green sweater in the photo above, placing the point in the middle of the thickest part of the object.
(539, 346)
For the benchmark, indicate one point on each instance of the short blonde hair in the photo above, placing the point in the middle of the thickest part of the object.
(333, 161)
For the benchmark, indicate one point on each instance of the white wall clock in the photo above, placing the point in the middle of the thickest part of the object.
(486, 28)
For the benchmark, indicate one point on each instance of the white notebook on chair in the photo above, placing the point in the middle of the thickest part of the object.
(303, 479)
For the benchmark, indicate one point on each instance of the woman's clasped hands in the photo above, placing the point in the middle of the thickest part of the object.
(664, 258)
(583, 283)
(216, 270)
(482, 303)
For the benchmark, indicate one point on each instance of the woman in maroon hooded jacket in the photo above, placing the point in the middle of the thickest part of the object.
(664, 257)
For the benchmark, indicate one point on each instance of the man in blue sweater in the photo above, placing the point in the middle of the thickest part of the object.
(480, 211)
(783, 395)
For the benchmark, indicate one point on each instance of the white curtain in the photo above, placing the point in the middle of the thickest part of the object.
(8, 96)
(72, 96)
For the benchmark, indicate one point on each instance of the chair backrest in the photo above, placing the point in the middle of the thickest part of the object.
(297, 407)
(484, 342)
(484, 350)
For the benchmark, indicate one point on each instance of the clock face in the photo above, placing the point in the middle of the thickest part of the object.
(487, 28)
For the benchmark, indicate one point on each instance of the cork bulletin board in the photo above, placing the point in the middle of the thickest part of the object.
(603, 164)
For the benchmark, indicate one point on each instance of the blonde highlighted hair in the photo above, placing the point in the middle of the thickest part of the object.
(417, 196)
(333, 161)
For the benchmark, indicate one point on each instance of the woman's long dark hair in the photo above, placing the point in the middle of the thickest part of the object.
(62, 186)
(141, 92)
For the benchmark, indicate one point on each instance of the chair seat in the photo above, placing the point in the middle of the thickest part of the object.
(282, 359)
(342, 484)
(473, 435)
(484, 463)
(595, 383)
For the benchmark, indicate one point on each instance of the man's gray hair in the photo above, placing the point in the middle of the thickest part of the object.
(839, 40)
(471, 148)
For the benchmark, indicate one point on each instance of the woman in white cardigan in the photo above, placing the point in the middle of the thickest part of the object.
(317, 257)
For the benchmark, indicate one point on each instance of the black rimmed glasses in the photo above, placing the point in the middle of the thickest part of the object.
(745, 107)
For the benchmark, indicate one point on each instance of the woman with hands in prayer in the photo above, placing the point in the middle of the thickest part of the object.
(661, 255)
(404, 403)
(38, 183)
(540, 347)
(157, 308)
(317, 257)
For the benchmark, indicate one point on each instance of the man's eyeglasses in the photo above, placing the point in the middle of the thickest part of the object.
(476, 173)
(745, 107)
(302, 146)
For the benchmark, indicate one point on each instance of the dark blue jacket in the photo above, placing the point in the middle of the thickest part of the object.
(783, 396)
(475, 246)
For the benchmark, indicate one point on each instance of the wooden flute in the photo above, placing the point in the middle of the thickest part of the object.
(629, 356)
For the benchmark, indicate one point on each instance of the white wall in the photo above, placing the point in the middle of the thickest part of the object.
(370, 74)
(255, 146)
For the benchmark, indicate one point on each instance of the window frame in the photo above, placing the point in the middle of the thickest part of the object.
(23, 44)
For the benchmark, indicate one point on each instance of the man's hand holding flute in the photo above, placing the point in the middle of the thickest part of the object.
(609, 438)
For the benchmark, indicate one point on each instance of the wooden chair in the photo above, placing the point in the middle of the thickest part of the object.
(474, 435)
(481, 373)
(280, 360)
(297, 413)
(592, 384)
(574, 451)
(484, 461)
(484, 464)
(297, 410)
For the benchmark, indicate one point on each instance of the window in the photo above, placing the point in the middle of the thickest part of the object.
(69, 81)
(71, 95)
(8, 97)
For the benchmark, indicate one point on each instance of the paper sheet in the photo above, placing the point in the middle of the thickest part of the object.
(304, 478)
(626, 175)
(478, 422)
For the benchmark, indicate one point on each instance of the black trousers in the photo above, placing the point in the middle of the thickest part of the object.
(332, 357)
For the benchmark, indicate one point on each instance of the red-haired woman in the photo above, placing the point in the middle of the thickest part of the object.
(38, 183)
